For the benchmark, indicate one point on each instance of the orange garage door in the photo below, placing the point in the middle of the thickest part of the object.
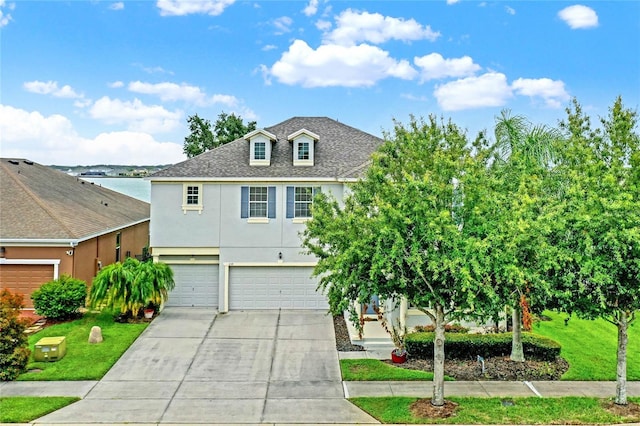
(24, 279)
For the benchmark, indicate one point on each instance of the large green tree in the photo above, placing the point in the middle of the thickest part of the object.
(402, 232)
(596, 222)
(203, 137)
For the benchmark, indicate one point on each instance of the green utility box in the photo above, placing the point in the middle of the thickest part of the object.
(50, 349)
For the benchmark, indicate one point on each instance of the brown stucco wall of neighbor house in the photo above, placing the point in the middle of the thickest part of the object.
(81, 261)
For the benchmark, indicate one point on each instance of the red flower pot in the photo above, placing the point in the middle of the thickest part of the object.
(398, 357)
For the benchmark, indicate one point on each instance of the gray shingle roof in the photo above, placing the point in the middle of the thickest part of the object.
(340, 151)
(37, 202)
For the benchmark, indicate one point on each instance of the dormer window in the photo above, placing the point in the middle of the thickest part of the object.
(260, 151)
(303, 147)
(260, 147)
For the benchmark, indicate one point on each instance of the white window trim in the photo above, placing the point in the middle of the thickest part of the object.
(192, 207)
(267, 151)
(296, 146)
(258, 219)
(301, 219)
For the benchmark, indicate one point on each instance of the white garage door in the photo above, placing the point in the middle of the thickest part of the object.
(196, 285)
(274, 287)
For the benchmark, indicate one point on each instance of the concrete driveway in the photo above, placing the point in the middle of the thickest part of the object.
(193, 366)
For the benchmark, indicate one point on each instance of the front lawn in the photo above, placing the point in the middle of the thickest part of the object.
(23, 409)
(376, 370)
(568, 410)
(590, 346)
(83, 360)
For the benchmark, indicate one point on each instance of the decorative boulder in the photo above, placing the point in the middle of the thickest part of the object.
(96, 334)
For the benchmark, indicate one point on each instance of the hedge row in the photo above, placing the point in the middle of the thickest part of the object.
(469, 346)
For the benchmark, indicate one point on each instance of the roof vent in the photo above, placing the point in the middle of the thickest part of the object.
(28, 162)
(14, 162)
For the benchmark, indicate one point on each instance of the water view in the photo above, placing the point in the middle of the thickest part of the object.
(134, 187)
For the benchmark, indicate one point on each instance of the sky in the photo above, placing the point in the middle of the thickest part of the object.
(113, 82)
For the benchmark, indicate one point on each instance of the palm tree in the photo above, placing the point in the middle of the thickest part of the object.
(131, 286)
(525, 154)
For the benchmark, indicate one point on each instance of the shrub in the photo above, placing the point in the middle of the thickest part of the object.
(131, 286)
(468, 346)
(449, 328)
(61, 298)
(14, 350)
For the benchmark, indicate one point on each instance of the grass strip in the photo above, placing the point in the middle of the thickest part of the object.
(590, 346)
(83, 360)
(567, 410)
(23, 409)
(375, 370)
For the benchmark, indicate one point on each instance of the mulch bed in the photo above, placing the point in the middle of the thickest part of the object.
(496, 368)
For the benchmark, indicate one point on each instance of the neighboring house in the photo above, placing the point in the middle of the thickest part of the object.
(228, 220)
(53, 224)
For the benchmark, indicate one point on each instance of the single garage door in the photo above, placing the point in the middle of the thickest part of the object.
(25, 279)
(274, 287)
(196, 285)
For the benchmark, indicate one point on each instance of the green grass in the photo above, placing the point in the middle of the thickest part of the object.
(84, 361)
(568, 410)
(23, 409)
(590, 347)
(376, 370)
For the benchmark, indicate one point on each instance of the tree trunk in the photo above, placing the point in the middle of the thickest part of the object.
(621, 370)
(517, 351)
(438, 358)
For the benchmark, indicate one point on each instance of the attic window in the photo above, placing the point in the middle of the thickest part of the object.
(303, 147)
(260, 147)
(260, 151)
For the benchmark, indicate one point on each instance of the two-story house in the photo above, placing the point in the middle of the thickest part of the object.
(228, 220)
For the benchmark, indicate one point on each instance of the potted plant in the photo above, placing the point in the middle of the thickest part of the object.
(397, 332)
(399, 353)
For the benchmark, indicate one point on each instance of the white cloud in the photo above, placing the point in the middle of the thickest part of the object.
(311, 8)
(282, 24)
(53, 140)
(353, 27)
(51, 88)
(434, 66)
(188, 7)
(268, 47)
(117, 6)
(335, 65)
(5, 18)
(116, 84)
(510, 10)
(488, 90)
(452, 1)
(323, 25)
(136, 115)
(412, 97)
(551, 91)
(579, 16)
(171, 92)
(152, 70)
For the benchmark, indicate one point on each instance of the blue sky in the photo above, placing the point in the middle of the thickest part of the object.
(95, 82)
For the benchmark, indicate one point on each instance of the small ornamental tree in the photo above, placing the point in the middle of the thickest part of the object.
(596, 223)
(14, 344)
(131, 286)
(60, 298)
(402, 232)
(204, 137)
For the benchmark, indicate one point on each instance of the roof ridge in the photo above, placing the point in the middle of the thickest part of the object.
(37, 199)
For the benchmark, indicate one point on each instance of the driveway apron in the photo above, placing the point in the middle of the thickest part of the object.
(192, 365)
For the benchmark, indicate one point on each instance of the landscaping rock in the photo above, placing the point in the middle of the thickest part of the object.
(96, 335)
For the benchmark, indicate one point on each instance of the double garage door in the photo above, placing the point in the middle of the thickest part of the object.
(273, 287)
(253, 287)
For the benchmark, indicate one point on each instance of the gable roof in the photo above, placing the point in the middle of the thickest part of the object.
(40, 203)
(339, 151)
